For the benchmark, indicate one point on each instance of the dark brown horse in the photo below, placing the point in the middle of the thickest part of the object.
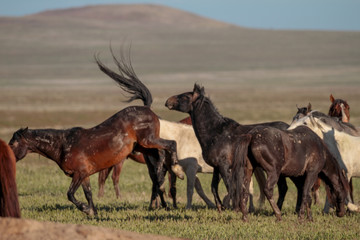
(299, 154)
(82, 152)
(217, 135)
(9, 203)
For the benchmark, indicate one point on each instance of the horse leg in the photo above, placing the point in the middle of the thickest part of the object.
(201, 193)
(74, 185)
(225, 174)
(306, 198)
(214, 188)
(116, 176)
(272, 179)
(190, 184)
(102, 179)
(261, 179)
(282, 187)
(91, 210)
(169, 146)
(315, 191)
(251, 196)
(172, 192)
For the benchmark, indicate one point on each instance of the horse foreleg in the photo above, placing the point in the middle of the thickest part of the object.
(90, 210)
(102, 179)
(116, 177)
(214, 188)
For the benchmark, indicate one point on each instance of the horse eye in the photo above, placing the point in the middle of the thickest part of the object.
(305, 123)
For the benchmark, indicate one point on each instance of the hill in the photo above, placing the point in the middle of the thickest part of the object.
(61, 43)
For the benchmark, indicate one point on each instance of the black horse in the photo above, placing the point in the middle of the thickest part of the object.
(299, 154)
(217, 135)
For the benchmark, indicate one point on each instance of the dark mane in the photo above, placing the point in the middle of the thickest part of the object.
(335, 122)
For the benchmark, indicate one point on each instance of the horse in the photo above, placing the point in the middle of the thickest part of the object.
(9, 203)
(340, 109)
(216, 134)
(81, 152)
(339, 140)
(299, 154)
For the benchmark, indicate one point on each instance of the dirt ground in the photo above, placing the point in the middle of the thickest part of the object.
(25, 229)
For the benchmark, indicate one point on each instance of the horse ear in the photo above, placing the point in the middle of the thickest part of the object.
(309, 108)
(332, 99)
(198, 91)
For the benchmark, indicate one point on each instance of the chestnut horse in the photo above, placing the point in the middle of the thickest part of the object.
(216, 134)
(82, 152)
(299, 154)
(9, 203)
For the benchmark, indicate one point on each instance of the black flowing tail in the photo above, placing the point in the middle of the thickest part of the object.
(238, 189)
(126, 78)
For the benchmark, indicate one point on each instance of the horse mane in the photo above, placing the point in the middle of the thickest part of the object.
(9, 203)
(334, 122)
(126, 78)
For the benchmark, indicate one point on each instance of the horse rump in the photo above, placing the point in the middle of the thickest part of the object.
(9, 203)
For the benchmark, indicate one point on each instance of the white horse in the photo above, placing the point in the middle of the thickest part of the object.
(343, 146)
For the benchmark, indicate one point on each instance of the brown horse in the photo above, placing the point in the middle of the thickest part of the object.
(103, 175)
(340, 109)
(82, 152)
(9, 203)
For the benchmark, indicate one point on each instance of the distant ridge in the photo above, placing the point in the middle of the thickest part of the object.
(61, 43)
(138, 13)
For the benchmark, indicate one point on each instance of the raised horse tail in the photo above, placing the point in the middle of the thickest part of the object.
(126, 78)
(238, 189)
(9, 203)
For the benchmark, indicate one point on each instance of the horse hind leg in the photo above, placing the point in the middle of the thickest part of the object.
(201, 193)
(90, 210)
(269, 192)
(116, 177)
(75, 184)
(103, 175)
(170, 147)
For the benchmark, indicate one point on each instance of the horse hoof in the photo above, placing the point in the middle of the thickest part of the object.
(177, 169)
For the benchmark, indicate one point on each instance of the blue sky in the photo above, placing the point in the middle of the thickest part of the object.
(268, 14)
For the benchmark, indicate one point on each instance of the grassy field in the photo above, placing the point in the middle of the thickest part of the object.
(256, 98)
(49, 80)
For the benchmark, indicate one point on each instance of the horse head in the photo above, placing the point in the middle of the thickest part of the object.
(340, 109)
(184, 102)
(19, 144)
(302, 112)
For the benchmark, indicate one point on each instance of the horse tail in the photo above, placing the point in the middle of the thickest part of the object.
(9, 203)
(126, 78)
(238, 173)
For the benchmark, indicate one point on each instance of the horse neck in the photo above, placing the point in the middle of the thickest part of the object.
(205, 119)
(46, 142)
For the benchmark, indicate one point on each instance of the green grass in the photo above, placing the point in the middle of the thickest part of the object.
(42, 193)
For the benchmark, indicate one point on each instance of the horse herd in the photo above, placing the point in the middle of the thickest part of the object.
(314, 147)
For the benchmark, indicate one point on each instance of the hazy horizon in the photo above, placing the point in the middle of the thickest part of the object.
(263, 14)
